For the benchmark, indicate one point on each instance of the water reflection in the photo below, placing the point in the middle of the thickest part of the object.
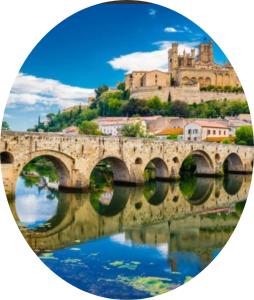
(197, 189)
(155, 192)
(111, 202)
(232, 183)
(131, 242)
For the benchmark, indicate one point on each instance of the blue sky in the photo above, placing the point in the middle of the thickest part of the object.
(92, 47)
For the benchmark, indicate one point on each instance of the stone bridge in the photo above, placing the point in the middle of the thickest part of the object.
(75, 157)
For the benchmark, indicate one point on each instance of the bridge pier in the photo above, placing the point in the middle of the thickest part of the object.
(8, 174)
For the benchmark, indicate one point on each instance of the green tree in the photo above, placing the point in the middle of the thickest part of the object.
(244, 135)
(89, 128)
(89, 114)
(50, 116)
(121, 86)
(100, 90)
(179, 109)
(136, 107)
(226, 141)
(155, 104)
(133, 130)
(172, 137)
(5, 125)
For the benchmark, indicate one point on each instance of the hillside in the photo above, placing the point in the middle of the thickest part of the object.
(116, 102)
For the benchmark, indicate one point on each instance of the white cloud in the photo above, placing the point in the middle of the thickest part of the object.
(177, 29)
(32, 90)
(141, 61)
(170, 29)
(152, 12)
(31, 208)
(145, 61)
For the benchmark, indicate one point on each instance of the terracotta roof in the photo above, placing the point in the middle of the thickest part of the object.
(213, 124)
(169, 131)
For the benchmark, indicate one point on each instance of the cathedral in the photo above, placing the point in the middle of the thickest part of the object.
(185, 70)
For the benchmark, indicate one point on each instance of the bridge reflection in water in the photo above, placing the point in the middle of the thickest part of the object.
(185, 224)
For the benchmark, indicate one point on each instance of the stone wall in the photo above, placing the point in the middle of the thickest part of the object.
(186, 94)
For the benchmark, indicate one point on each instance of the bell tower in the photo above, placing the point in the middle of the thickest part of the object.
(206, 53)
(173, 59)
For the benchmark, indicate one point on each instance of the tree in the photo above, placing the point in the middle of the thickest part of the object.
(121, 86)
(5, 125)
(136, 107)
(179, 109)
(226, 141)
(89, 114)
(133, 130)
(100, 90)
(89, 128)
(50, 116)
(155, 104)
(244, 135)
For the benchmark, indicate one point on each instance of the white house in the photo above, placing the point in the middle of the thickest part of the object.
(113, 125)
(206, 131)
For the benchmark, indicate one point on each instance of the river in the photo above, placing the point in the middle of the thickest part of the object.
(130, 242)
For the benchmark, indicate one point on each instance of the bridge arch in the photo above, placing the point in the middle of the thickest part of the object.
(120, 171)
(233, 163)
(62, 162)
(161, 168)
(6, 157)
(203, 162)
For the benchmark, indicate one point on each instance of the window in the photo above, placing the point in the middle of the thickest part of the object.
(208, 131)
(189, 138)
(224, 132)
(219, 132)
(214, 132)
(189, 131)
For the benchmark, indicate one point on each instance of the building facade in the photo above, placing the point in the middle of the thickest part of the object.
(187, 74)
(201, 70)
(205, 131)
(113, 125)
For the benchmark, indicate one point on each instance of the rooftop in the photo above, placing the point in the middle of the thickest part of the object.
(213, 124)
(170, 131)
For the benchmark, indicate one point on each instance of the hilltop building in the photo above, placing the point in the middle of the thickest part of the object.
(187, 74)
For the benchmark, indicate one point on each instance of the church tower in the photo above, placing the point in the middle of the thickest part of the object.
(173, 59)
(206, 53)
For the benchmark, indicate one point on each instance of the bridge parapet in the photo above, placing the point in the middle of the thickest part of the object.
(75, 157)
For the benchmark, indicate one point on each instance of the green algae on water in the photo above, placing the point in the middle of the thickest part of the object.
(153, 285)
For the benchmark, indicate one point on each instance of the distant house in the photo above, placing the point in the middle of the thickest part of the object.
(211, 131)
(245, 117)
(113, 125)
(71, 130)
(234, 124)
